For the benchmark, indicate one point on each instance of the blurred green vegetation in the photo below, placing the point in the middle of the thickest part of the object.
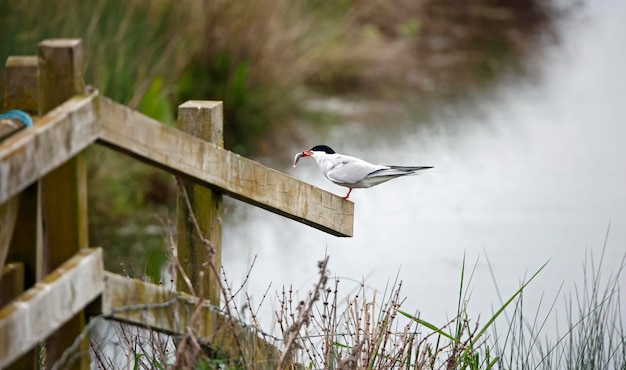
(261, 58)
(256, 56)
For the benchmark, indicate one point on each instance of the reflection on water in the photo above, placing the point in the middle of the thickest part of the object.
(537, 176)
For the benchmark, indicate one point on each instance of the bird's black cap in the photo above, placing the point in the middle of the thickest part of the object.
(323, 148)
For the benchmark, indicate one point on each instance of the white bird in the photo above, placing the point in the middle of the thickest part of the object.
(353, 172)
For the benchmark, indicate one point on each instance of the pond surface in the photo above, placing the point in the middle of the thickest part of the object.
(535, 174)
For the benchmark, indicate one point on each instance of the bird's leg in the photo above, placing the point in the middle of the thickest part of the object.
(347, 195)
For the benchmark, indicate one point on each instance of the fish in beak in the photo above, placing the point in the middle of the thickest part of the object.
(306, 153)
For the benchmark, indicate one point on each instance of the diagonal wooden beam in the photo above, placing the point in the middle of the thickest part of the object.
(53, 140)
(175, 151)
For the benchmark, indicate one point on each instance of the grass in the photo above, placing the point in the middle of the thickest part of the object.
(367, 329)
(594, 336)
(376, 333)
(258, 56)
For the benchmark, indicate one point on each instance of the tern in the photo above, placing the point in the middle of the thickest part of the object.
(353, 172)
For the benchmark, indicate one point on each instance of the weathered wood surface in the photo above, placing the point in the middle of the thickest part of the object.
(64, 205)
(8, 127)
(68, 129)
(21, 83)
(42, 309)
(65, 188)
(11, 282)
(60, 72)
(52, 141)
(26, 242)
(11, 286)
(229, 173)
(8, 215)
(156, 307)
(65, 211)
(204, 120)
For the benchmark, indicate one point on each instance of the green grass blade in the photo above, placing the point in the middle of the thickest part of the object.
(495, 316)
(337, 344)
(428, 325)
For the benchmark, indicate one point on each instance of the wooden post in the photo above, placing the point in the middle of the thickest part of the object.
(11, 283)
(64, 189)
(21, 93)
(203, 119)
(8, 216)
(25, 242)
(20, 90)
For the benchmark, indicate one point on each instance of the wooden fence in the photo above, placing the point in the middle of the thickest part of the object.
(51, 281)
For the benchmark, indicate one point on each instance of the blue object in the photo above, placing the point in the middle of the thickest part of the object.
(18, 115)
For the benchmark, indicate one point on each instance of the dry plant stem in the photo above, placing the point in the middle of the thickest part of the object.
(180, 269)
(188, 347)
(245, 281)
(255, 313)
(187, 350)
(304, 315)
(169, 233)
(98, 358)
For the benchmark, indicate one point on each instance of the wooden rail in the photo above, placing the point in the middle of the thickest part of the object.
(53, 140)
(36, 314)
(161, 309)
(70, 128)
(43, 212)
(227, 172)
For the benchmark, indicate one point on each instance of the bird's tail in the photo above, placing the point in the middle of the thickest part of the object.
(395, 171)
(410, 168)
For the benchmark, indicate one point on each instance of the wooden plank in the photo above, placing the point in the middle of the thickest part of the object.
(207, 164)
(42, 309)
(64, 189)
(204, 120)
(155, 307)
(52, 141)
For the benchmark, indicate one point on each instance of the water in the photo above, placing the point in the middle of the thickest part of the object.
(535, 174)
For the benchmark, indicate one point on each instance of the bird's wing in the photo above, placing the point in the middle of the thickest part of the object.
(348, 170)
